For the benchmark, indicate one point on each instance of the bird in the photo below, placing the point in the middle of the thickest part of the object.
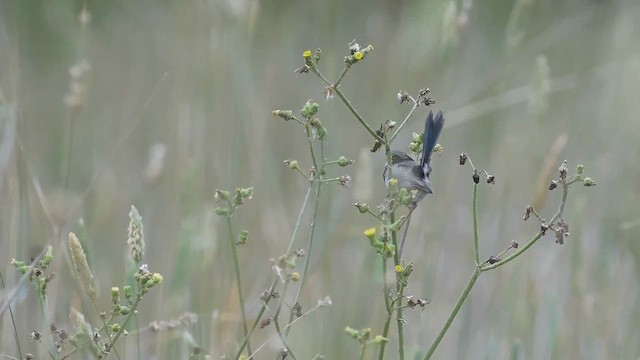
(411, 174)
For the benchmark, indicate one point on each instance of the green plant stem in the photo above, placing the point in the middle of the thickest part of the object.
(475, 223)
(13, 322)
(413, 109)
(70, 353)
(312, 232)
(472, 280)
(454, 312)
(399, 289)
(400, 322)
(387, 306)
(374, 215)
(285, 328)
(538, 235)
(284, 340)
(363, 350)
(396, 261)
(256, 321)
(44, 304)
(321, 76)
(313, 154)
(302, 173)
(482, 268)
(276, 323)
(357, 115)
(294, 233)
(236, 269)
(342, 75)
(314, 217)
(104, 323)
(124, 324)
(346, 101)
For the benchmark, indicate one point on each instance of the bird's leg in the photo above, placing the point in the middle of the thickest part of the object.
(406, 229)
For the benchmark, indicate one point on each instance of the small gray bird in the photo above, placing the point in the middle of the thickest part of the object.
(412, 175)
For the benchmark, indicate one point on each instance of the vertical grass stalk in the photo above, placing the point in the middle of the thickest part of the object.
(309, 250)
(387, 306)
(478, 270)
(475, 223)
(13, 321)
(236, 270)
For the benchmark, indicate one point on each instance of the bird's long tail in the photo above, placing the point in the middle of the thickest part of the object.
(432, 129)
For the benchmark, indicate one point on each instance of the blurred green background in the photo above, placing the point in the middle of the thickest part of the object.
(106, 104)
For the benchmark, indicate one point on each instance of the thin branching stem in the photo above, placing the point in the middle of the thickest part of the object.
(322, 155)
(471, 282)
(357, 115)
(302, 173)
(522, 249)
(285, 328)
(13, 322)
(133, 310)
(314, 217)
(342, 75)
(454, 312)
(245, 341)
(105, 325)
(387, 306)
(294, 233)
(276, 322)
(346, 101)
(275, 282)
(396, 261)
(400, 322)
(487, 267)
(413, 109)
(475, 223)
(70, 353)
(399, 290)
(44, 305)
(310, 138)
(309, 250)
(363, 350)
(321, 76)
(374, 215)
(283, 339)
(236, 270)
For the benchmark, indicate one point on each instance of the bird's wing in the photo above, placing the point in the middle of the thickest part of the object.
(410, 176)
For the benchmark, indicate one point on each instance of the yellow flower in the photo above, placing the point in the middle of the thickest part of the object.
(357, 55)
(306, 54)
(370, 233)
(398, 268)
(393, 181)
